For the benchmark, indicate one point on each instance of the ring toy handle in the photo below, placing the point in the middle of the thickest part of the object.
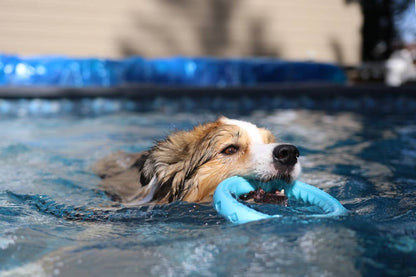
(227, 205)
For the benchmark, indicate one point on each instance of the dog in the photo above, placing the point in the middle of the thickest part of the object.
(188, 165)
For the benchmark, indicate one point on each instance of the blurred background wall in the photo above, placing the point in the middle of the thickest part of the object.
(321, 30)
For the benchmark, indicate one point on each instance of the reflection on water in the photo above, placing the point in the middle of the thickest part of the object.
(53, 221)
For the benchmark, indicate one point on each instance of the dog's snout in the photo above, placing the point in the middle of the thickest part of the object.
(286, 154)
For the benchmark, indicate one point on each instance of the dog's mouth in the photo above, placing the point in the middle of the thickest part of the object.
(273, 196)
(260, 196)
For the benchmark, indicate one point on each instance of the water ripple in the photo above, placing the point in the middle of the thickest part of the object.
(176, 212)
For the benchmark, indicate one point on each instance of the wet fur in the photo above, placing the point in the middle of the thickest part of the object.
(186, 166)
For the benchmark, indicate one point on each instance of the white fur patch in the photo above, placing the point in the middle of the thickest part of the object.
(261, 154)
(251, 129)
(296, 170)
(263, 164)
(262, 160)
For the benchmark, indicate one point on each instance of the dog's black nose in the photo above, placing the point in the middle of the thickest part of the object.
(286, 154)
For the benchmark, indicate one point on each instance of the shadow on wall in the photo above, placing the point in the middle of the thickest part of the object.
(197, 28)
(336, 48)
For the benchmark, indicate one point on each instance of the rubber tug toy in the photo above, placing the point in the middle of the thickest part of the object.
(229, 190)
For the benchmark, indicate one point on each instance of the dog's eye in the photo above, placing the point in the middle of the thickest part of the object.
(229, 150)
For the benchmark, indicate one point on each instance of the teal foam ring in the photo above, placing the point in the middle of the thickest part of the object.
(227, 192)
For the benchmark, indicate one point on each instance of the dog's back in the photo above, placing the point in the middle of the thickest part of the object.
(120, 175)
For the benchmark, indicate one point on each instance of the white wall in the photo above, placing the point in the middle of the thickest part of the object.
(325, 30)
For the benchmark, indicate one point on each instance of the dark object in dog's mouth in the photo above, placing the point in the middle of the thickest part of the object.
(260, 196)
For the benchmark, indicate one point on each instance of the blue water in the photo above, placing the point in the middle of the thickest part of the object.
(54, 221)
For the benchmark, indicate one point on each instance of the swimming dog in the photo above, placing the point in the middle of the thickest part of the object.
(188, 165)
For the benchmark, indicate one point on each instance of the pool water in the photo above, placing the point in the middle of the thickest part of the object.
(54, 221)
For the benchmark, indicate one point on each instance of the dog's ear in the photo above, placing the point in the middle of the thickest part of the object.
(176, 159)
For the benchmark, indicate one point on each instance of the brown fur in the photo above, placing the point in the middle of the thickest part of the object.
(187, 166)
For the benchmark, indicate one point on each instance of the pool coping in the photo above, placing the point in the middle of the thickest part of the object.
(149, 91)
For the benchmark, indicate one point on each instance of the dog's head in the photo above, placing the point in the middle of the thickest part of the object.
(189, 165)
